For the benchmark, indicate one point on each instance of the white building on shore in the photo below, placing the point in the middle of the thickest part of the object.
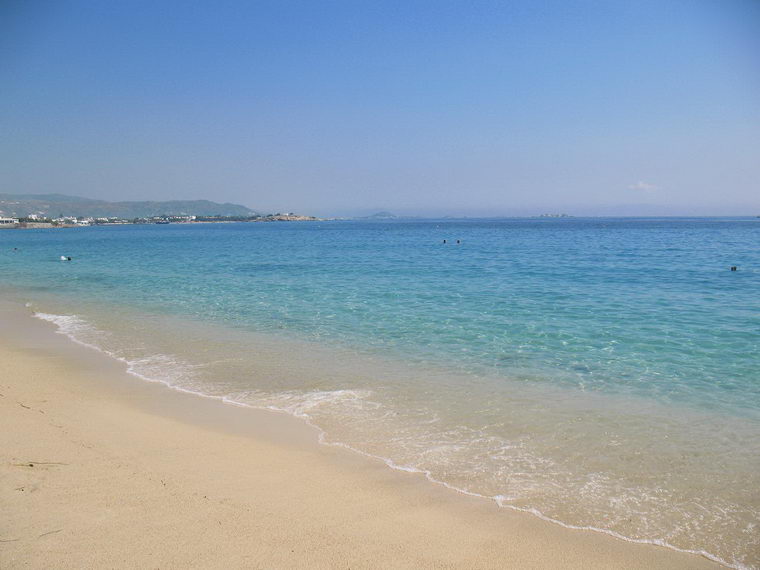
(8, 223)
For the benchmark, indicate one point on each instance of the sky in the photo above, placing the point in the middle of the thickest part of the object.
(339, 108)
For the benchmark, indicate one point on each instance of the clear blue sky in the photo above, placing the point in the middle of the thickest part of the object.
(475, 108)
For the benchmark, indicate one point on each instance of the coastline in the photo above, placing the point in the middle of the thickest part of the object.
(102, 470)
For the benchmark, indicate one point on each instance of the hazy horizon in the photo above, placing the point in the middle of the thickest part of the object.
(342, 109)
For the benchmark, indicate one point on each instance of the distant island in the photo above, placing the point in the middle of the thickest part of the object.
(381, 216)
(46, 210)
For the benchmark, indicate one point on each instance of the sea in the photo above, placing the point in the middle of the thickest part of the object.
(603, 374)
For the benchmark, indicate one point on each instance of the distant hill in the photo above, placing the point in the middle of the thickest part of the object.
(381, 216)
(54, 205)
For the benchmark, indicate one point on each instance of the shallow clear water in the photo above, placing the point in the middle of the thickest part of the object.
(601, 373)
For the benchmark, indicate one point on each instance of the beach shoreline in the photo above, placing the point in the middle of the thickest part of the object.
(101, 470)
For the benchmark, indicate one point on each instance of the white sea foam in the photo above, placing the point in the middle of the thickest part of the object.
(303, 404)
(72, 326)
(159, 368)
(307, 405)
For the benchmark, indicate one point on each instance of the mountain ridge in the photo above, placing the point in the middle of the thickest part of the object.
(54, 205)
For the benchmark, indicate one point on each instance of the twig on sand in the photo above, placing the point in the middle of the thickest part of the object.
(51, 532)
(27, 407)
(8, 539)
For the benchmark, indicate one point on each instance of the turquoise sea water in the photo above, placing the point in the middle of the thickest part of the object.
(602, 373)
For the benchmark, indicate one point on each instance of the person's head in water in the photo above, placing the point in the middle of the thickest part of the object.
(444, 241)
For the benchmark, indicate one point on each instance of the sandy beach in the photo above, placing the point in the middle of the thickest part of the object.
(101, 470)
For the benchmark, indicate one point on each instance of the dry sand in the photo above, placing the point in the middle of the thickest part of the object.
(101, 470)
